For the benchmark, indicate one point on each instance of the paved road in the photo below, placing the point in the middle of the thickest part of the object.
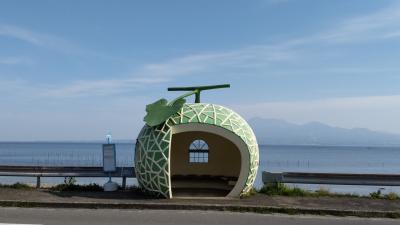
(152, 217)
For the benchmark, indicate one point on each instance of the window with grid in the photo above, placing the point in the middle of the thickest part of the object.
(198, 152)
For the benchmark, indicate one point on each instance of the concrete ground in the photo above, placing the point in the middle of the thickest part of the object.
(48, 216)
(199, 192)
(127, 197)
(259, 203)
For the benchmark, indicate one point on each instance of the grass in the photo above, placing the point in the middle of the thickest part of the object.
(284, 190)
(70, 185)
(17, 186)
(269, 189)
(389, 196)
(77, 187)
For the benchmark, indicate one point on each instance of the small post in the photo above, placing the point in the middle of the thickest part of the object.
(197, 90)
(197, 99)
(123, 183)
(37, 182)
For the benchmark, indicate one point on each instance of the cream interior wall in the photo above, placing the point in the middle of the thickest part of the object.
(223, 160)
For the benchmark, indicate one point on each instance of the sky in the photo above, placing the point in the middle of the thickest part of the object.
(76, 70)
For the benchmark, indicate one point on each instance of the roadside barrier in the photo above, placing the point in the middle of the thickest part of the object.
(40, 171)
(332, 178)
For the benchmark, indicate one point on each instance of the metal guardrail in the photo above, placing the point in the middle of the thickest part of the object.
(332, 178)
(39, 171)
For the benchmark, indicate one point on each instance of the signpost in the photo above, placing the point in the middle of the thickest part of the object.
(109, 163)
(109, 159)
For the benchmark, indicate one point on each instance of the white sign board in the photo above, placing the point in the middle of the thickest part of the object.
(109, 159)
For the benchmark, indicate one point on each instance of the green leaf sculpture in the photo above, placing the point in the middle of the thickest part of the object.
(159, 111)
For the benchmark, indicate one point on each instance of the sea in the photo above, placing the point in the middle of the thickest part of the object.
(341, 159)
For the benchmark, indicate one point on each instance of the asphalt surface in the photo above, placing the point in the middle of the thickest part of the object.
(47, 216)
(257, 200)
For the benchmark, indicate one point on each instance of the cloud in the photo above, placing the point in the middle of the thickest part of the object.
(80, 120)
(346, 103)
(17, 88)
(98, 87)
(15, 61)
(45, 40)
(382, 24)
(23, 35)
(254, 55)
(156, 73)
(378, 25)
(345, 112)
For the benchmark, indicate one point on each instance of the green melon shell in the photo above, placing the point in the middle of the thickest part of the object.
(152, 146)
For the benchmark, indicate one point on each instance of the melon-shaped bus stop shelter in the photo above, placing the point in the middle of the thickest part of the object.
(195, 149)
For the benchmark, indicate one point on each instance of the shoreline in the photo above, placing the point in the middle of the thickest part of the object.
(133, 143)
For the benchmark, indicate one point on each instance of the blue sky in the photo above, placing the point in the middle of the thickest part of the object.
(73, 70)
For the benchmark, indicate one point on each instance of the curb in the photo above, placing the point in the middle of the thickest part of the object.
(205, 207)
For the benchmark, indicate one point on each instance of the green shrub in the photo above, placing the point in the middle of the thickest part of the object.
(376, 194)
(273, 189)
(323, 192)
(76, 187)
(392, 196)
(282, 189)
(16, 186)
(69, 180)
(70, 185)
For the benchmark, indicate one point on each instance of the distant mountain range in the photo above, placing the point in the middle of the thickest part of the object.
(280, 132)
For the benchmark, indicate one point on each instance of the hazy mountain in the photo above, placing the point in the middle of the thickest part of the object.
(280, 132)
